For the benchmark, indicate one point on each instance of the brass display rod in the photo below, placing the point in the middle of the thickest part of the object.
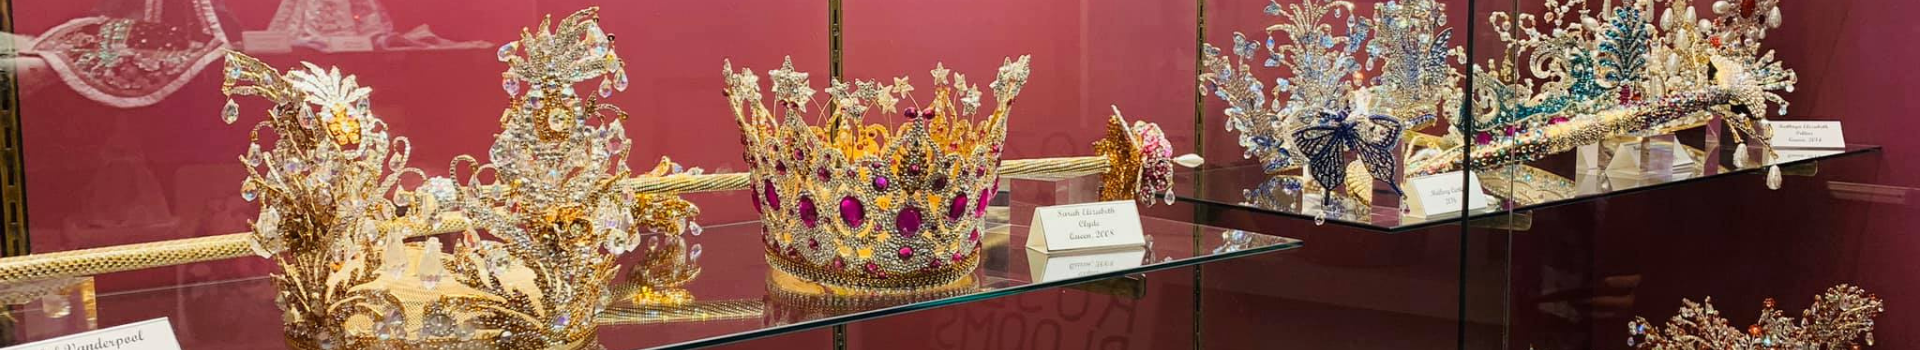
(129, 257)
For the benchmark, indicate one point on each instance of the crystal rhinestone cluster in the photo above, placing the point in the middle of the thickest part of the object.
(855, 204)
(547, 199)
(1617, 70)
(1324, 107)
(1841, 318)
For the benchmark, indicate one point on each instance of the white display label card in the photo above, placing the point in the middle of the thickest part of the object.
(1807, 134)
(265, 42)
(1441, 194)
(1086, 226)
(349, 44)
(154, 334)
(1054, 267)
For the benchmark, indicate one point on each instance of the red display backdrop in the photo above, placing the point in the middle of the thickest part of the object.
(100, 175)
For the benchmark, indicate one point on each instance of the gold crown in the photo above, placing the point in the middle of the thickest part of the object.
(553, 206)
(860, 205)
(1836, 320)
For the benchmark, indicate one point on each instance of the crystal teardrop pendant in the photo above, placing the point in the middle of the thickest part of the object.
(1773, 177)
(1740, 156)
(231, 112)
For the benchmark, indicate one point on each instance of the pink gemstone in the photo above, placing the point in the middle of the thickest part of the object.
(808, 214)
(975, 236)
(773, 197)
(874, 269)
(908, 221)
(906, 253)
(958, 256)
(1512, 130)
(852, 211)
(986, 197)
(756, 204)
(958, 209)
(880, 183)
(1483, 138)
(839, 264)
(934, 264)
(813, 244)
(1557, 119)
(824, 175)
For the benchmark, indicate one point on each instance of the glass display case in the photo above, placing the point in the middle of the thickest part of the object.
(1355, 174)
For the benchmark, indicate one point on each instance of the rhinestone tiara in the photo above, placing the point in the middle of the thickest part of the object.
(1838, 319)
(861, 205)
(548, 200)
(1324, 107)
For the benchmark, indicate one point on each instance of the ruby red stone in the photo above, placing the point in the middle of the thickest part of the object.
(958, 209)
(940, 183)
(780, 167)
(975, 236)
(1483, 138)
(1557, 119)
(773, 197)
(813, 244)
(756, 204)
(853, 212)
(986, 197)
(911, 112)
(808, 213)
(906, 253)
(934, 264)
(908, 221)
(873, 269)
(824, 175)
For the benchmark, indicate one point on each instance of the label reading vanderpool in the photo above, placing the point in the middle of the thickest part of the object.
(154, 334)
(1083, 226)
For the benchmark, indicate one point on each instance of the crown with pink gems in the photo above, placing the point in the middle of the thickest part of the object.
(861, 205)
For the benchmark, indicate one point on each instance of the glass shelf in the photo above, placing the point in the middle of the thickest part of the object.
(1221, 187)
(732, 297)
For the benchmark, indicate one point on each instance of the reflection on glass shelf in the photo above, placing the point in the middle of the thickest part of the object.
(690, 291)
(1525, 187)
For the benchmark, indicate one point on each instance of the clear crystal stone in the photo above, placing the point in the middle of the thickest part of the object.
(506, 51)
(438, 325)
(231, 112)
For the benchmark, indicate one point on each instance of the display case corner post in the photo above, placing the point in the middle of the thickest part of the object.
(13, 196)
